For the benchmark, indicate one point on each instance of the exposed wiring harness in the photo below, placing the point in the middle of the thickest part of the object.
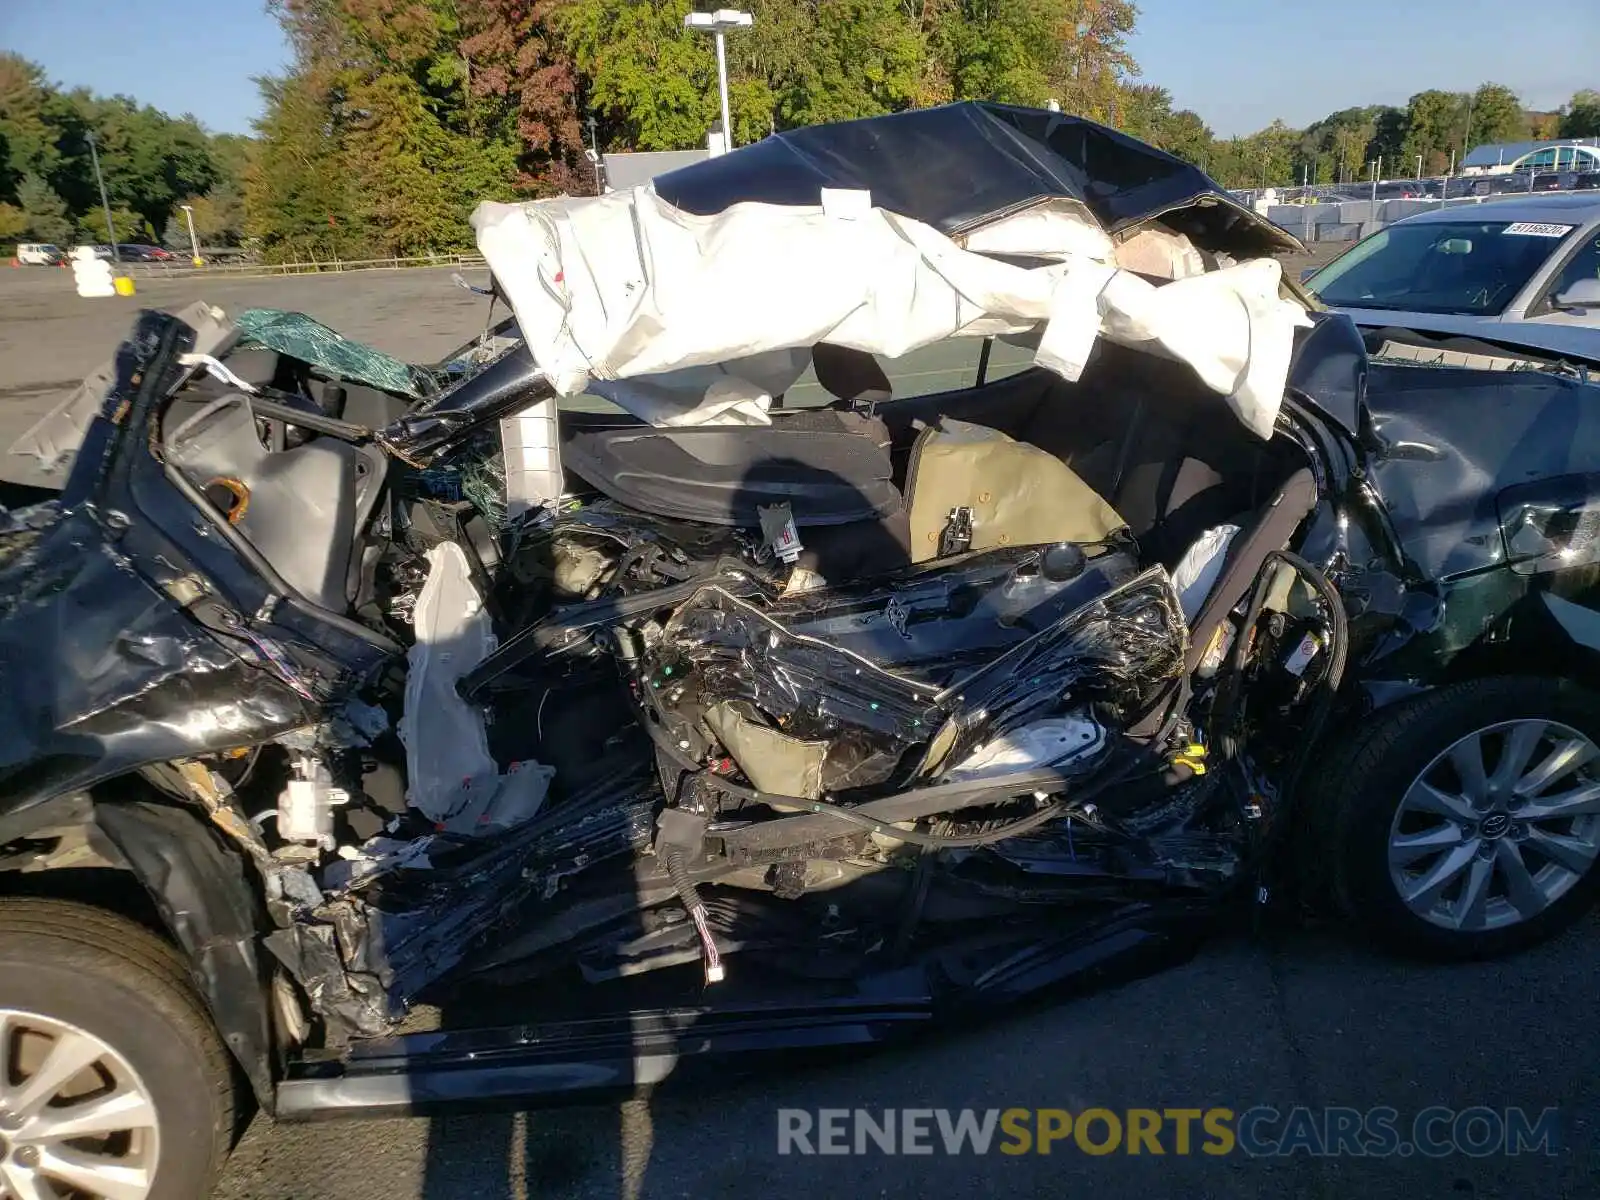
(689, 897)
(1226, 706)
(1339, 648)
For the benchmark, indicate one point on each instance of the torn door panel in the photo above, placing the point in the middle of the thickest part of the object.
(878, 687)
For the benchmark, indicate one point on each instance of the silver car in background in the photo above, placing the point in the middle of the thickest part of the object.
(1524, 272)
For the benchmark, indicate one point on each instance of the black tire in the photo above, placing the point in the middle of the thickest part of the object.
(1352, 813)
(114, 979)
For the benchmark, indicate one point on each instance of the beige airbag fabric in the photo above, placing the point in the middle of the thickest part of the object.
(772, 760)
(1019, 495)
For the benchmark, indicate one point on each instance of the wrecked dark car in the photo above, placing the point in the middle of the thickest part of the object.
(388, 736)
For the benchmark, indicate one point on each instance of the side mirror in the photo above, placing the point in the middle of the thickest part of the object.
(1584, 294)
(1307, 273)
(460, 281)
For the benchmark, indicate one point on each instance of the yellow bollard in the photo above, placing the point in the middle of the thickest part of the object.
(123, 284)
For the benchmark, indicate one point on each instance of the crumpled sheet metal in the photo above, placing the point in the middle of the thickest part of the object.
(625, 286)
(301, 337)
(884, 728)
(1450, 442)
(54, 438)
(370, 952)
(103, 666)
(102, 671)
(505, 386)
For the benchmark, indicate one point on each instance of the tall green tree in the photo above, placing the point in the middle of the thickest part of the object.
(13, 222)
(655, 81)
(148, 159)
(28, 129)
(1433, 121)
(1096, 62)
(382, 97)
(1496, 115)
(1265, 158)
(128, 226)
(1389, 129)
(1009, 50)
(1145, 111)
(522, 84)
(1031, 51)
(300, 200)
(219, 219)
(866, 60)
(1582, 115)
(1189, 137)
(46, 212)
(1339, 146)
(230, 156)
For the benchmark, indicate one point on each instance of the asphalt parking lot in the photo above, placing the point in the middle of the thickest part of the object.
(1302, 1018)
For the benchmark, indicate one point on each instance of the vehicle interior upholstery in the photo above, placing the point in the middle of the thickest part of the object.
(301, 501)
(1136, 442)
(1141, 432)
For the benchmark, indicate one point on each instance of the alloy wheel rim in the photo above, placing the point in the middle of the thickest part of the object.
(1498, 827)
(75, 1118)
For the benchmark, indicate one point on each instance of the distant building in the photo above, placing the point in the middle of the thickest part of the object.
(625, 171)
(1563, 154)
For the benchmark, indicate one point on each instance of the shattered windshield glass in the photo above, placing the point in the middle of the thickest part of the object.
(298, 336)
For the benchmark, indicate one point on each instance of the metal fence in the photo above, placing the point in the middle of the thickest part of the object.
(182, 267)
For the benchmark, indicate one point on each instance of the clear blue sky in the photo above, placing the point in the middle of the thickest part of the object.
(194, 56)
(1238, 63)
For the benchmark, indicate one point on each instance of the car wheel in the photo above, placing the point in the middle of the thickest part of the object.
(1466, 823)
(113, 1082)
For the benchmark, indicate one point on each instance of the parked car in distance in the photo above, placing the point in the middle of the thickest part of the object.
(100, 251)
(133, 252)
(1554, 181)
(1525, 270)
(39, 254)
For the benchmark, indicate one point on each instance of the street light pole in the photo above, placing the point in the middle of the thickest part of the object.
(194, 242)
(111, 230)
(722, 88)
(1419, 168)
(594, 156)
(718, 23)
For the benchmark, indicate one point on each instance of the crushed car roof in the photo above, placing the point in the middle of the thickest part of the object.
(961, 165)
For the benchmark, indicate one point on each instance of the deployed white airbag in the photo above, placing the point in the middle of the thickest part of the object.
(452, 778)
(625, 286)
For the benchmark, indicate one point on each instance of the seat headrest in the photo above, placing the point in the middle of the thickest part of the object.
(854, 376)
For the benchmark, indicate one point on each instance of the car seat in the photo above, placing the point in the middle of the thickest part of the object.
(302, 508)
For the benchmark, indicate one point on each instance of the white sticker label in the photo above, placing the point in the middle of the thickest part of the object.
(1538, 229)
(1303, 654)
(846, 204)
